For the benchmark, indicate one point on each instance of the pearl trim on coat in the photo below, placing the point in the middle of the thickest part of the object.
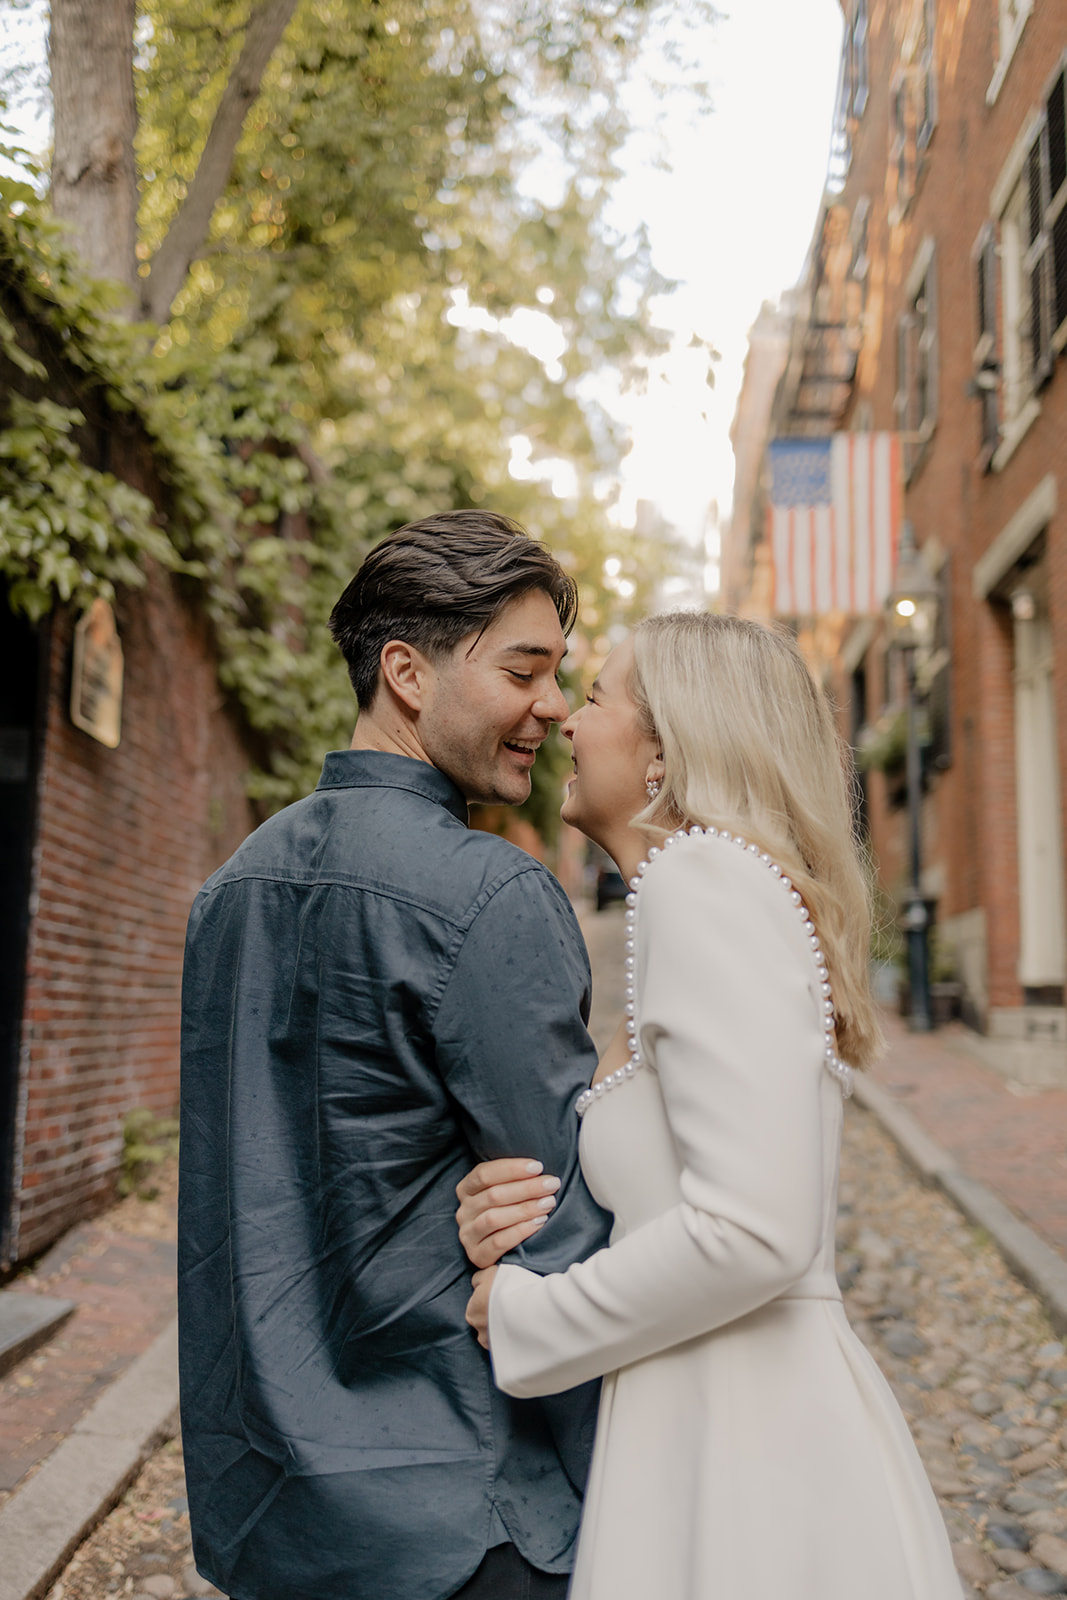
(839, 1070)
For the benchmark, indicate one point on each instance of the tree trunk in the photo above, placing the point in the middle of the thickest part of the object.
(94, 175)
(187, 233)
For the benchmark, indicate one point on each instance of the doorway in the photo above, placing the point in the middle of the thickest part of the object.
(21, 674)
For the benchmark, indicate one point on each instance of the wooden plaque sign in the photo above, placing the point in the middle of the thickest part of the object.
(96, 681)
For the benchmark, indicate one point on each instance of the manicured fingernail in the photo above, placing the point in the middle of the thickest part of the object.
(538, 1222)
(547, 1204)
(550, 1185)
(534, 1167)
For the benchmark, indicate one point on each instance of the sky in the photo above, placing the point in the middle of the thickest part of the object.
(732, 220)
(730, 199)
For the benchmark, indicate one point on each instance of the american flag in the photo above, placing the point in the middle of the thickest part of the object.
(833, 522)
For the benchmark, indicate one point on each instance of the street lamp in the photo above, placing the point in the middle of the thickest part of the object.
(912, 615)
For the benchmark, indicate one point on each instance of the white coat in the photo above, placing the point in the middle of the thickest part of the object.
(748, 1447)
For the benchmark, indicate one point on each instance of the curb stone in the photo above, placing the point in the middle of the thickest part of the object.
(74, 1488)
(1041, 1267)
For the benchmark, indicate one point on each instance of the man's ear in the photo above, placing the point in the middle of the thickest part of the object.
(405, 672)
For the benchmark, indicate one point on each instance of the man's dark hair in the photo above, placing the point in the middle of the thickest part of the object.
(435, 581)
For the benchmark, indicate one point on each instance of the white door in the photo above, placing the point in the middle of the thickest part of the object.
(1041, 907)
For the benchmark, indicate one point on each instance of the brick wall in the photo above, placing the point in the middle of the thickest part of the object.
(955, 502)
(124, 839)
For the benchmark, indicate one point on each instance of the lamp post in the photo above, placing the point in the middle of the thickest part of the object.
(912, 614)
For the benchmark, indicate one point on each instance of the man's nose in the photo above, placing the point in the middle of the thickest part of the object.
(552, 705)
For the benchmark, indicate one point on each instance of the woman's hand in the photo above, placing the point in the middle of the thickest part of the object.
(501, 1203)
(478, 1305)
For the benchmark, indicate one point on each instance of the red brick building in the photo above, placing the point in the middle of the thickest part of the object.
(935, 304)
(102, 851)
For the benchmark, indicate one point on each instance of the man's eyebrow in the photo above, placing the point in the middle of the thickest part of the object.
(527, 650)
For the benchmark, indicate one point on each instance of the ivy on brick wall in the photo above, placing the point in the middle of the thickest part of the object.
(233, 466)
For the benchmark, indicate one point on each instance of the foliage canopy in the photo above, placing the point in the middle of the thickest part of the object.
(385, 319)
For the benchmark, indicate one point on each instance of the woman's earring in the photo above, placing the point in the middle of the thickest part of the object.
(653, 785)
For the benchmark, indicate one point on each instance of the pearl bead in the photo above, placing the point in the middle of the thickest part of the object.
(838, 1069)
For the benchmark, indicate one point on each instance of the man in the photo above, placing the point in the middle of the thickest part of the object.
(375, 998)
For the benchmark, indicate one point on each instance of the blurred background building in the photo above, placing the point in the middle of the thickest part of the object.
(934, 307)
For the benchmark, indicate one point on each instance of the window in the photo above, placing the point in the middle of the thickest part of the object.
(916, 400)
(1046, 232)
(857, 44)
(1030, 212)
(913, 103)
(926, 97)
(859, 266)
(853, 91)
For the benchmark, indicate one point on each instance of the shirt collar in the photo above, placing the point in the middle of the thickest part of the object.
(379, 769)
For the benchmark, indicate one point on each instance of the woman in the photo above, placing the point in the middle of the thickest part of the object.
(748, 1448)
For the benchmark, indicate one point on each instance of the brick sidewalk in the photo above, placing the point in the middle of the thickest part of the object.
(1014, 1140)
(120, 1269)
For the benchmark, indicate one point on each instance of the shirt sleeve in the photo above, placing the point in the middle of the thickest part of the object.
(514, 1052)
(728, 1016)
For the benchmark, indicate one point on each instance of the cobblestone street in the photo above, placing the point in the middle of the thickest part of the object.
(968, 1350)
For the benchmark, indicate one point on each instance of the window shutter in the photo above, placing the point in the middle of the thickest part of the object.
(1056, 112)
(985, 362)
(899, 153)
(1037, 259)
(927, 316)
(1057, 139)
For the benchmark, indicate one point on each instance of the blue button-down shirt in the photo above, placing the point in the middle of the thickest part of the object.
(375, 997)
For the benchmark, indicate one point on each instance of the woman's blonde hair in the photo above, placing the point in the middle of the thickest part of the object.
(749, 745)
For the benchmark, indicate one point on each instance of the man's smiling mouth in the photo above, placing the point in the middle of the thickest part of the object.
(524, 746)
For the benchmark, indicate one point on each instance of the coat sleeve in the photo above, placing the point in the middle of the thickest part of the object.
(728, 1016)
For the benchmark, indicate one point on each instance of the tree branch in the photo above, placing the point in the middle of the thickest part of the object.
(187, 232)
